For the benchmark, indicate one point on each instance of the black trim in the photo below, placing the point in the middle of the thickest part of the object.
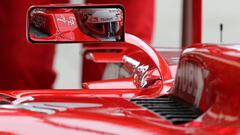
(171, 108)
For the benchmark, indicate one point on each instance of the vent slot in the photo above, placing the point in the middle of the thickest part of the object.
(170, 108)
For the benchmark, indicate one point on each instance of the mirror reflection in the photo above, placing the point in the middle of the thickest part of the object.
(76, 24)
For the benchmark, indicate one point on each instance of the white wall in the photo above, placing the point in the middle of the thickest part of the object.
(221, 11)
(167, 27)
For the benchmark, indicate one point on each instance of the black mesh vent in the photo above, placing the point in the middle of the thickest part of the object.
(170, 108)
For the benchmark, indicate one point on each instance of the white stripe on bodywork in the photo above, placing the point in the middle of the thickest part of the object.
(49, 107)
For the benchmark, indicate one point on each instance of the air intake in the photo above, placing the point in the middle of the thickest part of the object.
(170, 108)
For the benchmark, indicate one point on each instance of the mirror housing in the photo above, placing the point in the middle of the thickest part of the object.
(75, 24)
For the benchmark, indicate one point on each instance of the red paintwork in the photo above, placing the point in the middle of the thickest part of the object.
(207, 76)
(107, 57)
(121, 83)
(221, 71)
(219, 98)
(114, 116)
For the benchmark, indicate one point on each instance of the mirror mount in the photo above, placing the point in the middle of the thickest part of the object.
(158, 60)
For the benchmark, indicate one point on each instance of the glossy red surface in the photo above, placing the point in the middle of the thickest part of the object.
(118, 113)
(122, 83)
(107, 57)
(218, 97)
(220, 68)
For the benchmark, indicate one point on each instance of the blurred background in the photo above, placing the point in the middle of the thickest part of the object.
(167, 33)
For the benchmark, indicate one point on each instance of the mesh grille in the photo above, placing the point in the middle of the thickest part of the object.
(170, 108)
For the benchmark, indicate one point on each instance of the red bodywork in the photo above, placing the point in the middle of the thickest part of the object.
(207, 78)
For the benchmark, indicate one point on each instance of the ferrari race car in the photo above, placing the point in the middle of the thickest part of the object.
(156, 91)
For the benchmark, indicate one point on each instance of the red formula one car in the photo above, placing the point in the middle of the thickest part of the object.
(146, 98)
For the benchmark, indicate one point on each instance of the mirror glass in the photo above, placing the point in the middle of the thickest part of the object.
(76, 24)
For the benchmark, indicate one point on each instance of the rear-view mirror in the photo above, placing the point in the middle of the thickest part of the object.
(75, 24)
